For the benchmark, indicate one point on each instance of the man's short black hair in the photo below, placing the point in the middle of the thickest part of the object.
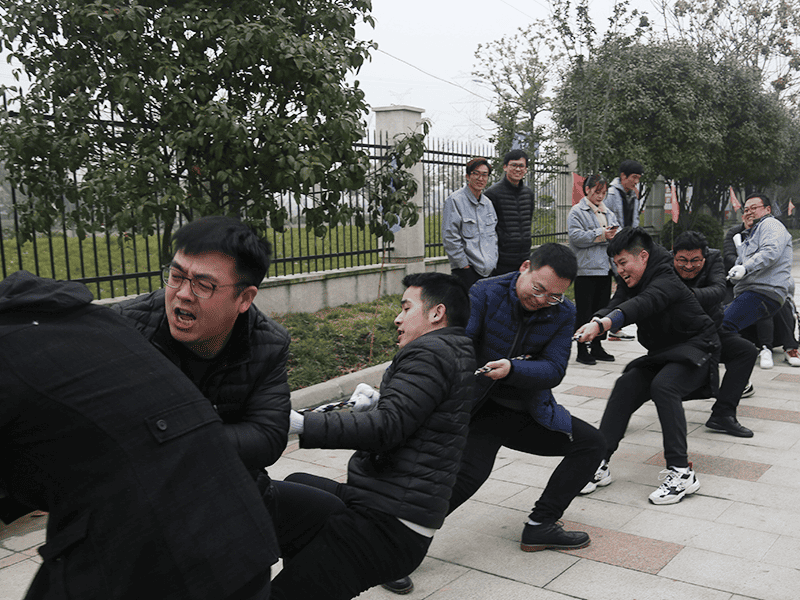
(631, 167)
(691, 240)
(446, 289)
(764, 199)
(476, 162)
(515, 155)
(632, 239)
(231, 237)
(556, 256)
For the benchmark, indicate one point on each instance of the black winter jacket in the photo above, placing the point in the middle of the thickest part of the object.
(709, 286)
(671, 323)
(247, 382)
(409, 445)
(514, 207)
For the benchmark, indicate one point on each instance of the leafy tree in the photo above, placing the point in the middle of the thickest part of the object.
(684, 116)
(517, 69)
(762, 34)
(142, 110)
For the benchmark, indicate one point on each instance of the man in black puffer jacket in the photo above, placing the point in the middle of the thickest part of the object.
(513, 202)
(408, 448)
(205, 322)
(682, 355)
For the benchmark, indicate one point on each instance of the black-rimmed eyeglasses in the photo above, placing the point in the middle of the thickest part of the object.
(200, 287)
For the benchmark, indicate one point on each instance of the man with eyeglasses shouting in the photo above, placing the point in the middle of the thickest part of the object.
(205, 322)
(702, 271)
(514, 203)
(468, 226)
(682, 356)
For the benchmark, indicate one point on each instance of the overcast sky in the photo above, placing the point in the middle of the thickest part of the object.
(427, 52)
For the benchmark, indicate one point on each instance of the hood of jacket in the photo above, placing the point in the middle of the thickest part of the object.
(25, 292)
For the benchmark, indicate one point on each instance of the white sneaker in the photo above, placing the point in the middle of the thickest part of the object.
(792, 357)
(765, 358)
(677, 483)
(601, 478)
(749, 390)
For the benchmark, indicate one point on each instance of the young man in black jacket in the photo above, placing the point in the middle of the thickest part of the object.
(682, 357)
(701, 269)
(408, 449)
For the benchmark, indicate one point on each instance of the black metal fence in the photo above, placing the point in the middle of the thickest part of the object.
(116, 263)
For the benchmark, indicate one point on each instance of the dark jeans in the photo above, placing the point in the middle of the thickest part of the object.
(666, 385)
(355, 550)
(738, 355)
(495, 426)
(592, 292)
(746, 309)
(468, 276)
(298, 513)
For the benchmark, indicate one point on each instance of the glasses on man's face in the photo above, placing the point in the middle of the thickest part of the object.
(551, 299)
(200, 287)
(480, 174)
(753, 208)
(518, 166)
(685, 261)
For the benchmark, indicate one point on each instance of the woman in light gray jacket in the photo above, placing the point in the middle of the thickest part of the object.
(591, 225)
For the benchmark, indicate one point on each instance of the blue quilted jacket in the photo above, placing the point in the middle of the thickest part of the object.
(496, 315)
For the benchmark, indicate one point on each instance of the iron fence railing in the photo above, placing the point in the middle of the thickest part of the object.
(114, 263)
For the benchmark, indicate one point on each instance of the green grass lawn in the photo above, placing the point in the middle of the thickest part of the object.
(337, 341)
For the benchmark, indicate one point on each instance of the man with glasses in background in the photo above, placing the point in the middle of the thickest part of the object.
(763, 270)
(468, 226)
(206, 323)
(514, 203)
(701, 270)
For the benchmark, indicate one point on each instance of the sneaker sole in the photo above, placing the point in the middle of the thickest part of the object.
(602, 483)
(678, 497)
(399, 592)
(536, 548)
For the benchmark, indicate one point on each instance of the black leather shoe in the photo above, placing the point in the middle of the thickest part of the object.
(599, 353)
(583, 354)
(404, 585)
(551, 535)
(729, 425)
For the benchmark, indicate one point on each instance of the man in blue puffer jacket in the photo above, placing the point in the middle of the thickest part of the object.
(526, 314)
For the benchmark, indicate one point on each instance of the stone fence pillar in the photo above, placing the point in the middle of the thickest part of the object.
(409, 242)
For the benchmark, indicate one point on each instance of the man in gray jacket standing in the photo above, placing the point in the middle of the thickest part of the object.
(468, 226)
(763, 268)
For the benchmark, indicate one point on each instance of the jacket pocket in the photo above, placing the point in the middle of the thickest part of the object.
(469, 228)
(179, 420)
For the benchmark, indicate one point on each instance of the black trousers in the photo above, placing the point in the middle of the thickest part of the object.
(775, 331)
(592, 292)
(666, 385)
(468, 276)
(298, 512)
(738, 355)
(495, 426)
(356, 549)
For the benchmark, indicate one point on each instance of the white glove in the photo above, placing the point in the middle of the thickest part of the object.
(296, 422)
(364, 397)
(736, 273)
